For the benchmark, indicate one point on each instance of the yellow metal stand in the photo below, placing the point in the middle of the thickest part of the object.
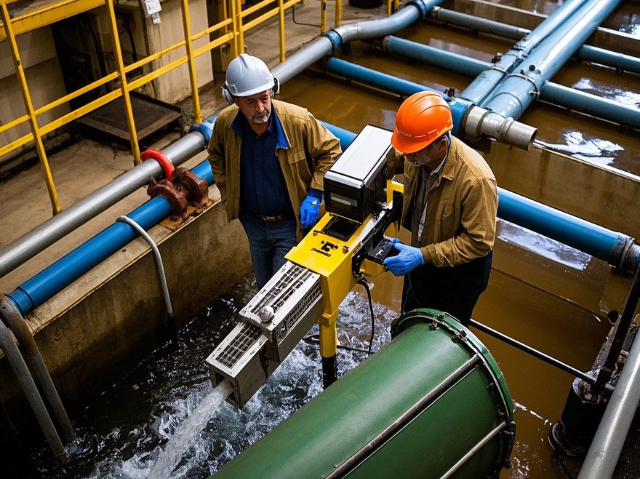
(332, 259)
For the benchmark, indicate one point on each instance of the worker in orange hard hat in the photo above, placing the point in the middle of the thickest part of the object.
(450, 205)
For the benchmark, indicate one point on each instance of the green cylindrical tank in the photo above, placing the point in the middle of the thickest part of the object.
(431, 404)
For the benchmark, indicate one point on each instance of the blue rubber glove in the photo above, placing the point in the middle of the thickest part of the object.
(309, 210)
(408, 259)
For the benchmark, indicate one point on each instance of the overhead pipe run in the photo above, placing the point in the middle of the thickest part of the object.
(489, 79)
(617, 249)
(560, 95)
(588, 53)
(520, 88)
(367, 30)
(468, 119)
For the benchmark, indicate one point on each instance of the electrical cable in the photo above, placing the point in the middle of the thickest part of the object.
(315, 338)
(293, 18)
(373, 322)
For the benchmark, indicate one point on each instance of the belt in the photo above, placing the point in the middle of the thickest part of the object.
(272, 219)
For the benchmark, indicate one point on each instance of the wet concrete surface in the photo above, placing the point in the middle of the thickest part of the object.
(550, 302)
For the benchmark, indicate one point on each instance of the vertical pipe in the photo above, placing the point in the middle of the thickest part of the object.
(31, 391)
(609, 439)
(12, 316)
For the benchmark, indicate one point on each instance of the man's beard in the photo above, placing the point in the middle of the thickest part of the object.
(261, 119)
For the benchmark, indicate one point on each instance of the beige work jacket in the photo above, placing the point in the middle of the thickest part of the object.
(460, 223)
(311, 151)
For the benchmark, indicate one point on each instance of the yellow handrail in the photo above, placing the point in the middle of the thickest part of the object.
(231, 29)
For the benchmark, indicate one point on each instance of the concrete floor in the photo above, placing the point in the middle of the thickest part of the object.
(86, 165)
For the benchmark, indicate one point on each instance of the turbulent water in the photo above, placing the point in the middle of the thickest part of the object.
(163, 420)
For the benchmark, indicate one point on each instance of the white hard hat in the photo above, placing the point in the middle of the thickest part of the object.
(246, 76)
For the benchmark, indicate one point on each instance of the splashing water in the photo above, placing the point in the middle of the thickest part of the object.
(172, 427)
(189, 429)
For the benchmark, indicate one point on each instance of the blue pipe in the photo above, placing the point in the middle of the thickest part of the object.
(459, 107)
(519, 89)
(552, 92)
(484, 84)
(53, 279)
(593, 239)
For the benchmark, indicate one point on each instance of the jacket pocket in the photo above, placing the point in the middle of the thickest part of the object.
(296, 156)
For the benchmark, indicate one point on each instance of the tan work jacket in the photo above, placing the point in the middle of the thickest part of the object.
(460, 224)
(312, 149)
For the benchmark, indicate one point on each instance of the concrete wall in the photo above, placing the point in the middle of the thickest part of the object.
(103, 324)
(175, 85)
(44, 80)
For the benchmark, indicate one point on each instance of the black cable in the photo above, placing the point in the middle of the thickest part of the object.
(293, 18)
(315, 338)
(373, 322)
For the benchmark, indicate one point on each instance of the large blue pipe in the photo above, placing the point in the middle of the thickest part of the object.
(617, 249)
(484, 84)
(552, 92)
(53, 279)
(459, 107)
(520, 88)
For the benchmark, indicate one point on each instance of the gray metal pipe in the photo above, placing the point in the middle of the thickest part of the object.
(17, 363)
(55, 228)
(366, 30)
(607, 444)
(10, 314)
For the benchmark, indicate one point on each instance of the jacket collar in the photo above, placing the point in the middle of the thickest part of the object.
(240, 123)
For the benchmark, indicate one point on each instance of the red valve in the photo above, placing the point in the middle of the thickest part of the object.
(161, 158)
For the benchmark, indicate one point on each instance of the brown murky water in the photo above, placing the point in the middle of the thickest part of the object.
(542, 293)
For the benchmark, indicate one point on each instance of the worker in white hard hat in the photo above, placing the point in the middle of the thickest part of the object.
(268, 158)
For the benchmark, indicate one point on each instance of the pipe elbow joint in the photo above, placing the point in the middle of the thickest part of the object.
(480, 122)
(421, 6)
(205, 129)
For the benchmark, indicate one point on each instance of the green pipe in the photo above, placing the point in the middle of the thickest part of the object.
(431, 403)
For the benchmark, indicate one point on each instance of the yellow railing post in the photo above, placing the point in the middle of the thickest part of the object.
(338, 21)
(33, 123)
(234, 27)
(281, 29)
(186, 24)
(238, 24)
(133, 135)
(323, 16)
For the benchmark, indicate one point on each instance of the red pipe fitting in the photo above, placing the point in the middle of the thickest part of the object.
(161, 158)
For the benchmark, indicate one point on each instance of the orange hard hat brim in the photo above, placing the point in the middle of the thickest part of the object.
(405, 145)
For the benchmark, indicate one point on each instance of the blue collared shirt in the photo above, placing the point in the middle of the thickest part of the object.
(263, 189)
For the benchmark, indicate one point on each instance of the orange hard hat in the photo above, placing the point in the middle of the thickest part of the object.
(421, 119)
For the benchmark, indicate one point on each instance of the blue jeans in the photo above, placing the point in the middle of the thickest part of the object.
(268, 242)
